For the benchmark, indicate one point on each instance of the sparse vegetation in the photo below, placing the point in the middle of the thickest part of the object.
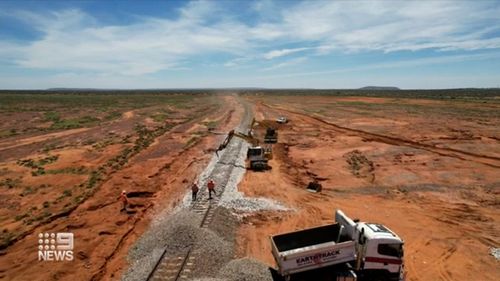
(112, 115)
(67, 193)
(69, 170)
(74, 123)
(211, 124)
(10, 183)
(6, 238)
(192, 141)
(30, 163)
(28, 190)
(22, 216)
(38, 114)
(159, 117)
(51, 116)
(94, 178)
(37, 166)
(8, 133)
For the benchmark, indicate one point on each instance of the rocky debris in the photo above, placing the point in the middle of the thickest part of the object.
(495, 252)
(245, 269)
(173, 232)
(225, 223)
(211, 252)
(176, 233)
(360, 166)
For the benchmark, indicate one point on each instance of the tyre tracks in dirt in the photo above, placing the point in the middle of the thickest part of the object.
(491, 161)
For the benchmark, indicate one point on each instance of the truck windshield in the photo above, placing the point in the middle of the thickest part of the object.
(394, 250)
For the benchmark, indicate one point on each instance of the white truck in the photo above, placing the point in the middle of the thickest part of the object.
(347, 250)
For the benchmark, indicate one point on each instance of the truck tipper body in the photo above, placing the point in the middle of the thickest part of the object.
(372, 250)
(312, 248)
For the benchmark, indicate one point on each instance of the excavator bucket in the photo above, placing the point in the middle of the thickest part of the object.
(225, 142)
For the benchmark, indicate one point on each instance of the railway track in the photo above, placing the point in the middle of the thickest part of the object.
(180, 266)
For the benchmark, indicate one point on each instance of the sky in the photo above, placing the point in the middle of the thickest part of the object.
(273, 44)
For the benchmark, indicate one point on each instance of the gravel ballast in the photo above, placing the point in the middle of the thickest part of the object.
(245, 269)
(177, 231)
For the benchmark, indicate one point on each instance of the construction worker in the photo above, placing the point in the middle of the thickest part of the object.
(211, 188)
(124, 199)
(194, 190)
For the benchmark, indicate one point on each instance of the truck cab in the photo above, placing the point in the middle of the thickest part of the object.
(380, 251)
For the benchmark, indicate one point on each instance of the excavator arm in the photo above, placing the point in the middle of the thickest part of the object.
(225, 142)
(253, 141)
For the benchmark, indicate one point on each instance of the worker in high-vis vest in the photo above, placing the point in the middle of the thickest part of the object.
(211, 188)
(194, 191)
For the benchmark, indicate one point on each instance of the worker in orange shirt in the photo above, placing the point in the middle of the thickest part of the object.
(211, 188)
(194, 190)
(124, 199)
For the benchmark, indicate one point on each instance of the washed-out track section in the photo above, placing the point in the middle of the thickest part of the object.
(180, 266)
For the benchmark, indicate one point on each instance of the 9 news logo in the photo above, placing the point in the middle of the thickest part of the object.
(55, 246)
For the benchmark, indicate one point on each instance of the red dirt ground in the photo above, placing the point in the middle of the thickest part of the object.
(102, 234)
(428, 169)
(414, 173)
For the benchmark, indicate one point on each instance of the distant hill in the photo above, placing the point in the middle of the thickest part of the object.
(378, 88)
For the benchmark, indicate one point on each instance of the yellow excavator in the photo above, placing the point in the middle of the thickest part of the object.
(271, 135)
(257, 156)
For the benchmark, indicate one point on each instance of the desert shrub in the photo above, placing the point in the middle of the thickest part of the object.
(10, 183)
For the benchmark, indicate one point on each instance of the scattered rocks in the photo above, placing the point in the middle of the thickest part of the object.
(212, 252)
(245, 269)
(495, 252)
(360, 166)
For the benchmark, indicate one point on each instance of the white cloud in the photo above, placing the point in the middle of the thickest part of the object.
(398, 25)
(391, 65)
(237, 61)
(72, 40)
(288, 63)
(283, 52)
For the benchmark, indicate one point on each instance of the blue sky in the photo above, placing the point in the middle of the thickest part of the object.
(275, 44)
